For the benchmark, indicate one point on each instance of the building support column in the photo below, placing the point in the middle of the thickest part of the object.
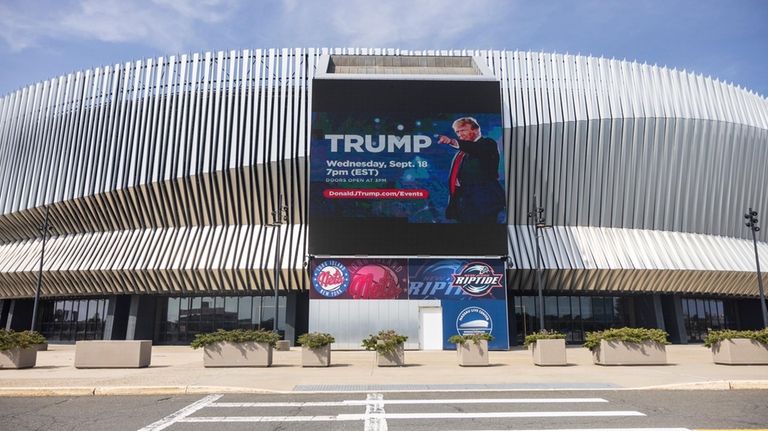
(632, 315)
(512, 320)
(133, 312)
(682, 334)
(4, 304)
(116, 318)
(141, 318)
(658, 312)
(109, 319)
(9, 316)
(290, 317)
(19, 315)
(672, 308)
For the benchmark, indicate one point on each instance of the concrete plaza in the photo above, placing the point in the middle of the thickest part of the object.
(179, 370)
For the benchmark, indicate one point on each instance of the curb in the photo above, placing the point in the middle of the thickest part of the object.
(720, 385)
(717, 385)
(130, 390)
(47, 392)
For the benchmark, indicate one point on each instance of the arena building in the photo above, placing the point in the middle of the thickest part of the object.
(166, 197)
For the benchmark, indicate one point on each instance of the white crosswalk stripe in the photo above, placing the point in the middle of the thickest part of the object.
(375, 416)
(488, 415)
(590, 429)
(181, 414)
(413, 402)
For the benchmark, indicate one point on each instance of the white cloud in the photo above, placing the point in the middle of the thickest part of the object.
(385, 23)
(394, 23)
(290, 5)
(211, 11)
(21, 25)
(169, 25)
(183, 25)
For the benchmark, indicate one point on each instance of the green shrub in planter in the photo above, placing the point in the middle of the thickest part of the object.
(761, 336)
(384, 342)
(630, 335)
(542, 335)
(475, 338)
(17, 349)
(35, 337)
(24, 339)
(235, 336)
(314, 340)
(472, 349)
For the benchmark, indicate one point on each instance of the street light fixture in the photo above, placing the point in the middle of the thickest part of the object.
(279, 216)
(539, 222)
(751, 217)
(44, 232)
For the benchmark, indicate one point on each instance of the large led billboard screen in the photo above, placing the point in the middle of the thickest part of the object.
(407, 167)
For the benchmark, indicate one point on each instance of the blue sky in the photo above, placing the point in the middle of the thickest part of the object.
(42, 39)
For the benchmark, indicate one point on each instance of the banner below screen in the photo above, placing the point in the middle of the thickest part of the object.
(472, 292)
(359, 279)
(444, 279)
(456, 279)
(476, 317)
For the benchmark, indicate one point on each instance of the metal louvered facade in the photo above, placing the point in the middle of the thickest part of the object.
(161, 174)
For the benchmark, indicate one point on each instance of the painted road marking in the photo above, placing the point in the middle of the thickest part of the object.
(374, 418)
(364, 416)
(347, 403)
(210, 419)
(181, 414)
(481, 415)
(602, 429)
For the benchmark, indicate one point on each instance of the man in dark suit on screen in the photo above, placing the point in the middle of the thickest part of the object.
(476, 196)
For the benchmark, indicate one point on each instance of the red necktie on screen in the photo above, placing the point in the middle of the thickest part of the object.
(455, 171)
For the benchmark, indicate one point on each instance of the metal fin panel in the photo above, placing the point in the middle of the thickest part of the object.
(161, 174)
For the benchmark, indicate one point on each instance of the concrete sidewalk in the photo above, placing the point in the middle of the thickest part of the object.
(179, 370)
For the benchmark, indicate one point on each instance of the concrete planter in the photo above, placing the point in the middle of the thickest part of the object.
(319, 357)
(626, 353)
(740, 351)
(248, 354)
(391, 359)
(283, 346)
(18, 358)
(113, 354)
(471, 354)
(548, 352)
(40, 347)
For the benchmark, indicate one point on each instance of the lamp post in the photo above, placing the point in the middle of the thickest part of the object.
(44, 232)
(751, 217)
(279, 216)
(539, 222)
